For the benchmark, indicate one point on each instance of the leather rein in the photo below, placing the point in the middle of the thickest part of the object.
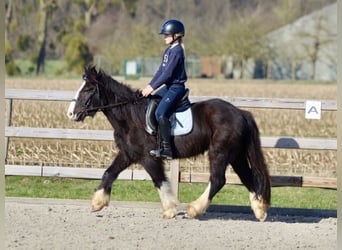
(114, 105)
(101, 108)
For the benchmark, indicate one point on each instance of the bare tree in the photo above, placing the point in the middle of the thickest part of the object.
(46, 8)
(244, 40)
(287, 10)
(9, 15)
(314, 40)
(11, 67)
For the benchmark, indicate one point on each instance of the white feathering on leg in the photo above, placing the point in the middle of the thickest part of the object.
(258, 206)
(100, 200)
(198, 207)
(168, 200)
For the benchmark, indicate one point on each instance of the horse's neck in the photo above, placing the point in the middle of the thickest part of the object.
(114, 121)
(121, 116)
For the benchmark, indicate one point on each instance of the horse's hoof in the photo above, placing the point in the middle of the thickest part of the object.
(99, 201)
(259, 207)
(192, 212)
(169, 214)
(261, 215)
(96, 208)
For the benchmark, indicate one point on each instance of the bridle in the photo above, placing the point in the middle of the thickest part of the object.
(96, 91)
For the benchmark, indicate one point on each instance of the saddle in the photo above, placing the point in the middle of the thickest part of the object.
(181, 120)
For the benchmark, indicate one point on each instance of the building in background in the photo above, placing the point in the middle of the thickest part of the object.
(305, 49)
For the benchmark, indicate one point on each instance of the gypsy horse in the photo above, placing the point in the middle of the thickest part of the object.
(229, 134)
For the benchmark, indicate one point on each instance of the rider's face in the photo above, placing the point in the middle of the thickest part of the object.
(168, 39)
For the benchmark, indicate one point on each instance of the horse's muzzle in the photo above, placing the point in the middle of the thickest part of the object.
(73, 114)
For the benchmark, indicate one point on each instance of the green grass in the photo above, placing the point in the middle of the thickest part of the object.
(52, 67)
(66, 188)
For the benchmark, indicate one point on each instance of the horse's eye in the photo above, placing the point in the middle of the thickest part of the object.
(85, 78)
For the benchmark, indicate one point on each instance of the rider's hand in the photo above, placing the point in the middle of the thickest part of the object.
(147, 90)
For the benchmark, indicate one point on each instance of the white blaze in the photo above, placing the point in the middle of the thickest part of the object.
(70, 113)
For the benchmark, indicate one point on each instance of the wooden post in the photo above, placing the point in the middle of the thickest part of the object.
(8, 122)
(174, 175)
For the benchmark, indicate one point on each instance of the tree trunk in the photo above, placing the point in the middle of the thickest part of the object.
(9, 15)
(314, 57)
(313, 69)
(89, 12)
(42, 32)
(46, 8)
(8, 20)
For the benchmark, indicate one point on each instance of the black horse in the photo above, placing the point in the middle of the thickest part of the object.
(230, 135)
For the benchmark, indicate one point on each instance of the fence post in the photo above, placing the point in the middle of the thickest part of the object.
(174, 175)
(8, 122)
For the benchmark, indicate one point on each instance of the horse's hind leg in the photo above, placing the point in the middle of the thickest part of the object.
(216, 182)
(258, 205)
(198, 207)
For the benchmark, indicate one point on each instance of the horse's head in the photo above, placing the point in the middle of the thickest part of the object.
(87, 99)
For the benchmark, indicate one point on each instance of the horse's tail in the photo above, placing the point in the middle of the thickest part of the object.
(261, 177)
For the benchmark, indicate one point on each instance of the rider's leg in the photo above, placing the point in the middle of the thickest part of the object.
(165, 151)
(163, 112)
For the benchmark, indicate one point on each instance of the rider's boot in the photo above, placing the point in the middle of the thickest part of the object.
(165, 151)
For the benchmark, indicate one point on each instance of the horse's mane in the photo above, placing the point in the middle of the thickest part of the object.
(121, 90)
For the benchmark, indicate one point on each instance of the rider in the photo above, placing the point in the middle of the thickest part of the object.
(172, 73)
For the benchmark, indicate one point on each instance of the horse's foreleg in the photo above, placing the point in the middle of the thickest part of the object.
(101, 196)
(100, 200)
(155, 169)
(168, 200)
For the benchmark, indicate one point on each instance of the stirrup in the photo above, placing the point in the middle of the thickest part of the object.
(155, 153)
(159, 153)
(166, 154)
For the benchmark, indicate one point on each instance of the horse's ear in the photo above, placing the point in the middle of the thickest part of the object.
(90, 73)
(93, 71)
(86, 73)
(85, 77)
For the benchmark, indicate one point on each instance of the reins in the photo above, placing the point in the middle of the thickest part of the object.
(114, 105)
(101, 108)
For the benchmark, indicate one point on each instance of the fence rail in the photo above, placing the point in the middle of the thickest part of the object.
(175, 175)
(107, 135)
(135, 174)
(275, 103)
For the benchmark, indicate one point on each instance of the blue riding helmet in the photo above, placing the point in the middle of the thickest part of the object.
(172, 26)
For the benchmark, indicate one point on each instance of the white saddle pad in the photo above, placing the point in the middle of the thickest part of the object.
(181, 122)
